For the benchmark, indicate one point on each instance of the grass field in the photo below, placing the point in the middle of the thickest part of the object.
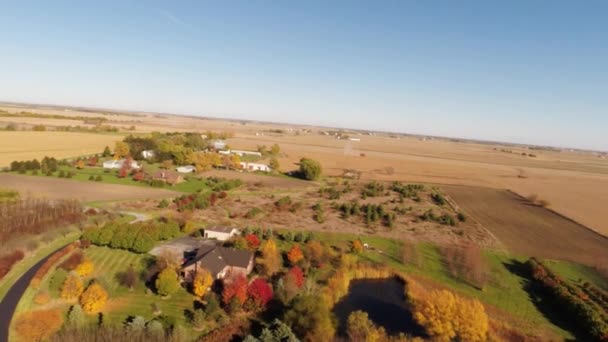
(28, 145)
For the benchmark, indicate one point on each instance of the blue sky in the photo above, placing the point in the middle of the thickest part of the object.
(522, 71)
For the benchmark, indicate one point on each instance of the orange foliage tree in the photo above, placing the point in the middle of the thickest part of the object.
(72, 287)
(94, 298)
(357, 246)
(295, 255)
(38, 325)
(235, 288)
(202, 282)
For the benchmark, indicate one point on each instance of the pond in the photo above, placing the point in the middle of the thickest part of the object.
(384, 302)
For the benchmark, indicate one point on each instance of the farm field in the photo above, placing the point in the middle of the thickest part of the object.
(26, 145)
(527, 229)
(53, 188)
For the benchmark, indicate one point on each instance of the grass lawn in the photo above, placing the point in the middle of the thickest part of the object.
(18, 269)
(576, 273)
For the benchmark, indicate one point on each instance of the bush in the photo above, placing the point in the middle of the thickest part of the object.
(61, 174)
(438, 198)
(163, 204)
(167, 282)
(310, 169)
(461, 217)
(98, 178)
(72, 261)
(92, 178)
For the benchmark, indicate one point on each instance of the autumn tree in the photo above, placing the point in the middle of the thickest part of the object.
(259, 292)
(235, 287)
(274, 164)
(121, 150)
(315, 252)
(167, 282)
(72, 287)
(275, 149)
(311, 319)
(290, 284)
(80, 164)
(128, 278)
(38, 325)
(92, 161)
(204, 161)
(357, 246)
(360, 328)
(295, 255)
(270, 261)
(85, 268)
(253, 242)
(94, 298)
(232, 161)
(202, 282)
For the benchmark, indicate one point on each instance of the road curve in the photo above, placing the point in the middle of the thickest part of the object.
(13, 296)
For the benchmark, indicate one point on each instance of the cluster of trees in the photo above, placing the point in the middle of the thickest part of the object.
(444, 219)
(46, 165)
(372, 213)
(407, 190)
(35, 216)
(8, 260)
(586, 313)
(467, 263)
(139, 237)
(50, 262)
(219, 184)
(372, 189)
(38, 325)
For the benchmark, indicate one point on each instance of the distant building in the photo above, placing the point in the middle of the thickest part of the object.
(220, 233)
(354, 139)
(147, 154)
(246, 153)
(117, 164)
(219, 261)
(255, 167)
(186, 169)
(168, 176)
(219, 144)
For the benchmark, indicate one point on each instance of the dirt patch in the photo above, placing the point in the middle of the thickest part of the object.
(55, 188)
(528, 229)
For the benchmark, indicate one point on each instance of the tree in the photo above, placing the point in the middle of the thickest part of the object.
(80, 164)
(72, 287)
(106, 152)
(275, 149)
(92, 161)
(235, 287)
(121, 150)
(232, 161)
(311, 319)
(167, 282)
(360, 328)
(76, 316)
(290, 285)
(296, 275)
(295, 254)
(271, 260)
(357, 246)
(315, 252)
(128, 278)
(252, 241)
(202, 282)
(259, 292)
(139, 176)
(204, 161)
(277, 331)
(274, 164)
(85, 268)
(310, 169)
(38, 325)
(94, 298)
(137, 324)
(124, 171)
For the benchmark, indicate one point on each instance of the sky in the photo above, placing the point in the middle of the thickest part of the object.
(526, 71)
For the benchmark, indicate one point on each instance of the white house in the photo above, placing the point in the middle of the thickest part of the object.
(219, 144)
(186, 169)
(117, 164)
(354, 139)
(246, 153)
(220, 233)
(224, 152)
(255, 167)
(147, 154)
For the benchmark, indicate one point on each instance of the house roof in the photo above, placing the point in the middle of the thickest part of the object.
(221, 229)
(215, 259)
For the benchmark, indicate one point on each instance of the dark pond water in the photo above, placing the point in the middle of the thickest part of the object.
(384, 302)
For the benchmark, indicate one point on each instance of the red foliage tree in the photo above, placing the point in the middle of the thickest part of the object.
(124, 172)
(235, 287)
(260, 292)
(296, 275)
(92, 161)
(252, 241)
(139, 176)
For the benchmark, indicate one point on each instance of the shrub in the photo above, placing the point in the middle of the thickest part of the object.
(72, 261)
(128, 278)
(163, 204)
(310, 169)
(98, 178)
(438, 198)
(61, 174)
(92, 178)
(253, 212)
(461, 217)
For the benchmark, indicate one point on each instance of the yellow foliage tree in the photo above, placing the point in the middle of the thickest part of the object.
(270, 261)
(361, 328)
(80, 164)
(38, 325)
(94, 298)
(204, 161)
(202, 282)
(446, 316)
(357, 246)
(72, 287)
(232, 161)
(121, 150)
(84, 268)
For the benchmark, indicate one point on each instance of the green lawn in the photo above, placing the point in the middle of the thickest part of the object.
(576, 273)
(18, 269)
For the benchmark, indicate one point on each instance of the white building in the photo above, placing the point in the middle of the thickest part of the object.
(219, 144)
(354, 139)
(246, 153)
(186, 169)
(147, 154)
(117, 164)
(255, 167)
(220, 233)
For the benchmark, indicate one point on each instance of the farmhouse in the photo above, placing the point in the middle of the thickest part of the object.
(186, 169)
(246, 153)
(168, 176)
(117, 164)
(219, 261)
(220, 233)
(255, 167)
(219, 144)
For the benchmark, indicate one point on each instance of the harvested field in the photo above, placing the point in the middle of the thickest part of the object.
(84, 191)
(27, 145)
(528, 229)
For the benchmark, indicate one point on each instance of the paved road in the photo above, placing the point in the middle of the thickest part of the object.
(10, 301)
